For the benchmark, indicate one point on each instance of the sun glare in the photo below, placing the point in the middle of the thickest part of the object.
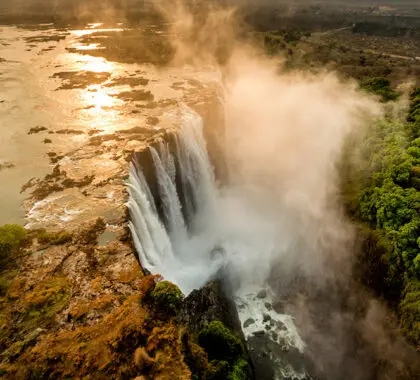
(97, 65)
(95, 25)
(97, 97)
(86, 32)
(101, 108)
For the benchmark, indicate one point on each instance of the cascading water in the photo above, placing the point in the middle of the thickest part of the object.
(203, 230)
(166, 246)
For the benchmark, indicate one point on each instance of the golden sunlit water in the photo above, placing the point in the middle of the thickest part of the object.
(49, 80)
(29, 98)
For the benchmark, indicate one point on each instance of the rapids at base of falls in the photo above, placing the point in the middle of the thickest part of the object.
(183, 230)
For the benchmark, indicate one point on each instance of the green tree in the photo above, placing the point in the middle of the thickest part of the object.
(11, 238)
(389, 203)
(381, 87)
(167, 296)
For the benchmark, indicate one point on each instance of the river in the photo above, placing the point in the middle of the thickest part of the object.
(50, 82)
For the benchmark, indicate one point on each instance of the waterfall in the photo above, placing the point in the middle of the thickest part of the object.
(167, 246)
(201, 229)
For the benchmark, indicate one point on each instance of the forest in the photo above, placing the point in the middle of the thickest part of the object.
(381, 192)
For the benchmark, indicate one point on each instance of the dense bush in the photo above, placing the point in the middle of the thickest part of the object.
(414, 113)
(222, 370)
(12, 236)
(388, 201)
(219, 342)
(218, 370)
(4, 286)
(273, 45)
(194, 356)
(410, 311)
(241, 371)
(225, 352)
(381, 87)
(47, 299)
(54, 238)
(167, 296)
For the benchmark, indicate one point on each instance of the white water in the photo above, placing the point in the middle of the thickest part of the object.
(181, 256)
(256, 315)
(225, 232)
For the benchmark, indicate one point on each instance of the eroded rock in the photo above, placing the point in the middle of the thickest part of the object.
(207, 305)
(36, 129)
(6, 165)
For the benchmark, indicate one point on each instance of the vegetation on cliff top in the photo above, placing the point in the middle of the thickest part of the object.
(12, 236)
(130, 340)
(138, 335)
(54, 238)
(381, 87)
(384, 194)
(167, 297)
(115, 334)
(225, 352)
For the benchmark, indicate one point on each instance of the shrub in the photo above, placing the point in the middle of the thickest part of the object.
(241, 371)
(8, 280)
(220, 343)
(381, 87)
(12, 236)
(194, 356)
(167, 296)
(410, 312)
(4, 286)
(218, 370)
(16, 286)
(54, 238)
(79, 310)
(45, 301)
(413, 116)
(389, 203)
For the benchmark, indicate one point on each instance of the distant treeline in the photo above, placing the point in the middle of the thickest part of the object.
(394, 28)
(314, 19)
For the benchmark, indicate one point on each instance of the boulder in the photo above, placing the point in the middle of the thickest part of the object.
(209, 304)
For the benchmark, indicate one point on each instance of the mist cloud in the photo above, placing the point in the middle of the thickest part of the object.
(284, 137)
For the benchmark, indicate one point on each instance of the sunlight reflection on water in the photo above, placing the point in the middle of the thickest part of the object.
(100, 108)
(77, 62)
(49, 80)
(97, 65)
(84, 32)
(95, 25)
(30, 97)
(86, 47)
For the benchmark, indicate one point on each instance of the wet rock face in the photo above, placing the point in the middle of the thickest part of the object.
(211, 304)
(207, 305)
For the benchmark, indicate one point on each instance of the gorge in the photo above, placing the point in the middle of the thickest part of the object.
(197, 190)
(191, 239)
